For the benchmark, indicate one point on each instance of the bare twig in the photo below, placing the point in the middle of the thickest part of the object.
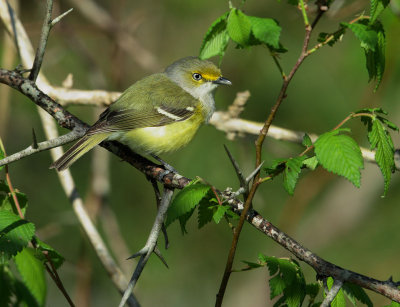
(151, 244)
(330, 296)
(387, 288)
(258, 144)
(37, 63)
(46, 145)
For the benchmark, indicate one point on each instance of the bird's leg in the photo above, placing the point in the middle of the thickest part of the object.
(168, 168)
(151, 244)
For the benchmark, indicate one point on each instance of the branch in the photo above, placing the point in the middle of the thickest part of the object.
(151, 244)
(330, 296)
(387, 288)
(258, 144)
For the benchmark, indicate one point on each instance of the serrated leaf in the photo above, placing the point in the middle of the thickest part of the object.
(185, 201)
(32, 273)
(277, 166)
(276, 285)
(288, 270)
(380, 140)
(291, 173)
(388, 123)
(216, 39)
(266, 30)
(183, 219)
(219, 213)
(295, 293)
(55, 257)
(311, 163)
(377, 7)
(375, 59)
(205, 212)
(372, 111)
(239, 27)
(367, 36)
(15, 234)
(7, 200)
(340, 154)
(306, 140)
(272, 264)
(355, 292)
(24, 296)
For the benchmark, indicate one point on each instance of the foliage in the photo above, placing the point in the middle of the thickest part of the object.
(15, 234)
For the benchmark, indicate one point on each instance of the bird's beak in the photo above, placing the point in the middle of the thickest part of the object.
(222, 80)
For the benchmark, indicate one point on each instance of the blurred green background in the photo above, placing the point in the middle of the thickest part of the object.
(353, 228)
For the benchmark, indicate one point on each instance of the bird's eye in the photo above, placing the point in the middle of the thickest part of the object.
(196, 76)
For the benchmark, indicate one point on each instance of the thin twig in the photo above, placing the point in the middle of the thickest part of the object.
(330, 296)
(37, 63)
(42, 146)
(151, 243)
(259, 143)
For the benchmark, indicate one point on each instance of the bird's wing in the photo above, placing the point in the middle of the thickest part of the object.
(138, 107)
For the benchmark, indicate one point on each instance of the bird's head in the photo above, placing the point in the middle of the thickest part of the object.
(198, 77)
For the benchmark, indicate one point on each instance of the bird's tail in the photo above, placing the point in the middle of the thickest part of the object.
(78, 150)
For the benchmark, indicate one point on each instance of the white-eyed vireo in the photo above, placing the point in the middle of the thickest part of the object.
(157, 114)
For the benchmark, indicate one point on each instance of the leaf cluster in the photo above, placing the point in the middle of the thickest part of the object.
(201, 196)
(15, 235)
(244, 30)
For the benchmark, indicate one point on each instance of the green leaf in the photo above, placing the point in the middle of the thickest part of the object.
(32, 273)
(183, 219)
(367, 36)
(355, 292)
(205, 212)
(216, 39)
(239, 27)
(42, 247)
(311, 163)
(266, 30)
(377, 7)
(388, 123)
(185, 201)
(15, 234)
(339, 300)
(277, 166)
(375, 59)
(219, 214)
(7, 201)
(272, 264)
(276, 285)
(340, 154)
(23, 295)
(322, 37)
(380, 140)
(291, 173)
(306, 140)
(2, 156)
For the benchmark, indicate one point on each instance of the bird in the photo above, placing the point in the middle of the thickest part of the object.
(159, 113)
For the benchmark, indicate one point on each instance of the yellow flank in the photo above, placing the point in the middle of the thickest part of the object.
(157, 140)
